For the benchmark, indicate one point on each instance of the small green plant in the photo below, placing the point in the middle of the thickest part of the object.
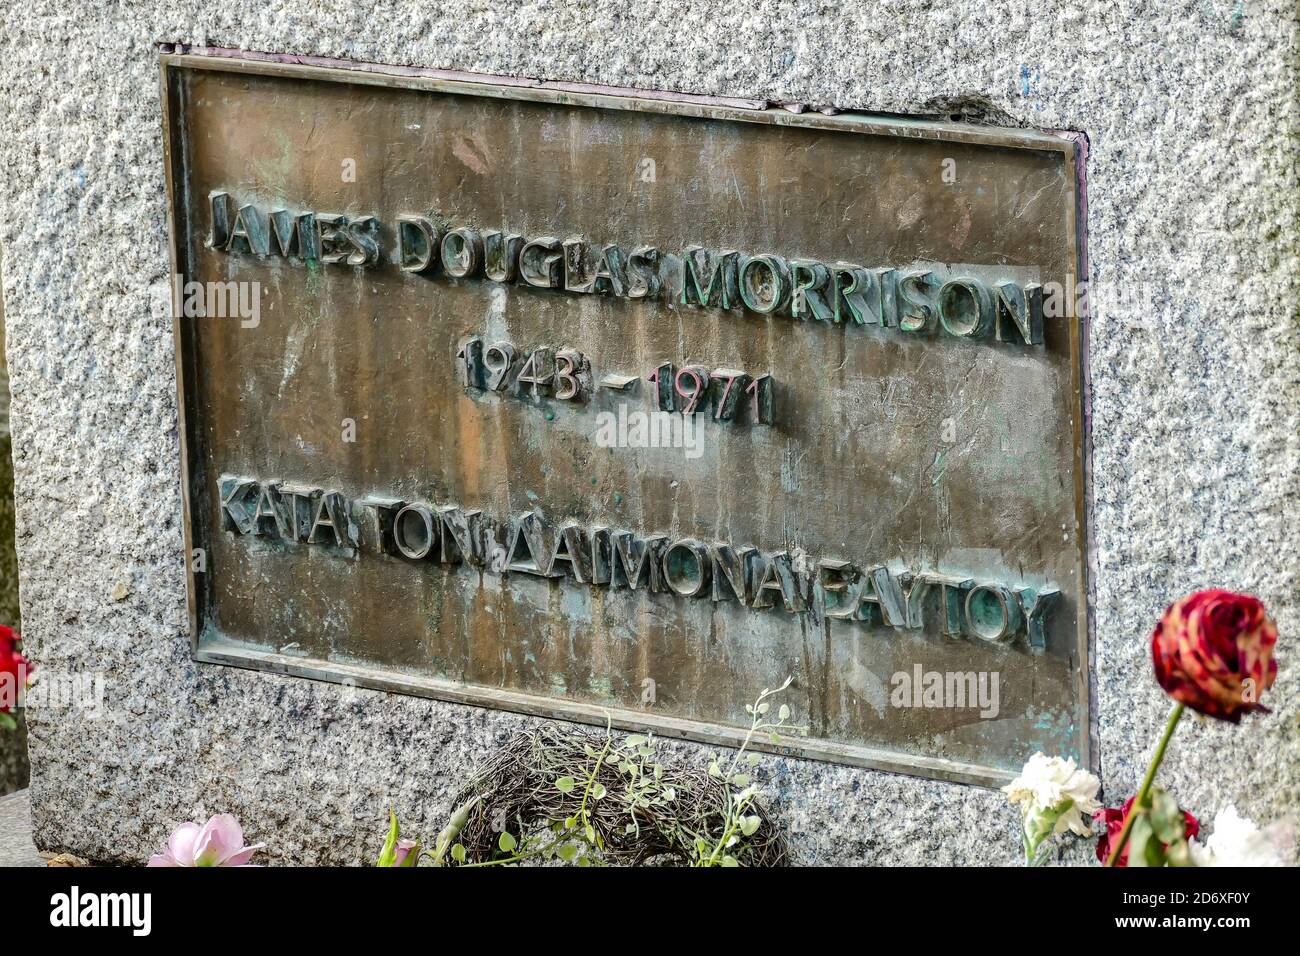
(568, 796)
(741, 791)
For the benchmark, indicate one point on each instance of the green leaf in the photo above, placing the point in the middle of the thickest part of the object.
(752, 759)
(1179, 854)
(783, 713)
(591, 833)
(729, 860)
(763, 709)
(7, 720)
(636, 740)
(566, 784)
(598, 791)
(1167, 819)
(740, 780)
(1143, 848)
(569, 852)
(775, 738)
(749, 825)
(458, 853)
(506, 842)
(388, 855)
(570, 823)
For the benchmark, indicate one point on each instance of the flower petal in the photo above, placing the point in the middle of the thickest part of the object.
(181, 845)
(241, 857)
(220, 838)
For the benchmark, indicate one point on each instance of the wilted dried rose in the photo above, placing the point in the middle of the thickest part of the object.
(1213, 651)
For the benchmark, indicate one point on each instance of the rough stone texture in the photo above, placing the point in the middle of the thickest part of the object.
(1191, 111)
(16, 847)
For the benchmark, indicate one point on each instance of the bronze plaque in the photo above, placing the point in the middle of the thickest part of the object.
(580, 403)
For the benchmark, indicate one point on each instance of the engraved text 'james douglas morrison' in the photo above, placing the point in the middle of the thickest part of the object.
(912, 300)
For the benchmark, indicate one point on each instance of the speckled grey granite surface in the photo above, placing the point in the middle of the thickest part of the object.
(1190, 108)
(16, 847)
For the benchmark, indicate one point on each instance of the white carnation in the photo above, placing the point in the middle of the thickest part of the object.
(1236, 841)
(1053, 793)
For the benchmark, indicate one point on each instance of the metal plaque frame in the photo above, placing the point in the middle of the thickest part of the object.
(173, 65)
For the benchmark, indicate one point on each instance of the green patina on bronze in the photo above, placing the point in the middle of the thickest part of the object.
(914, 440)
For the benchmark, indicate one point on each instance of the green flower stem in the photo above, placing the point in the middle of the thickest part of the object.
(732, 817)
(595, 772)
(501, 862)
(733, 824)
(1144, 793)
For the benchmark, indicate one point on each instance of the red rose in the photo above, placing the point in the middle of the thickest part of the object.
(1111, 819)
(14, 665)
(1213, 651)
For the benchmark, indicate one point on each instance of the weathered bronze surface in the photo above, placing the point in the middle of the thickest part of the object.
(411, 426)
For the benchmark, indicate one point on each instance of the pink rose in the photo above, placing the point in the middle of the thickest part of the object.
(219, 842)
